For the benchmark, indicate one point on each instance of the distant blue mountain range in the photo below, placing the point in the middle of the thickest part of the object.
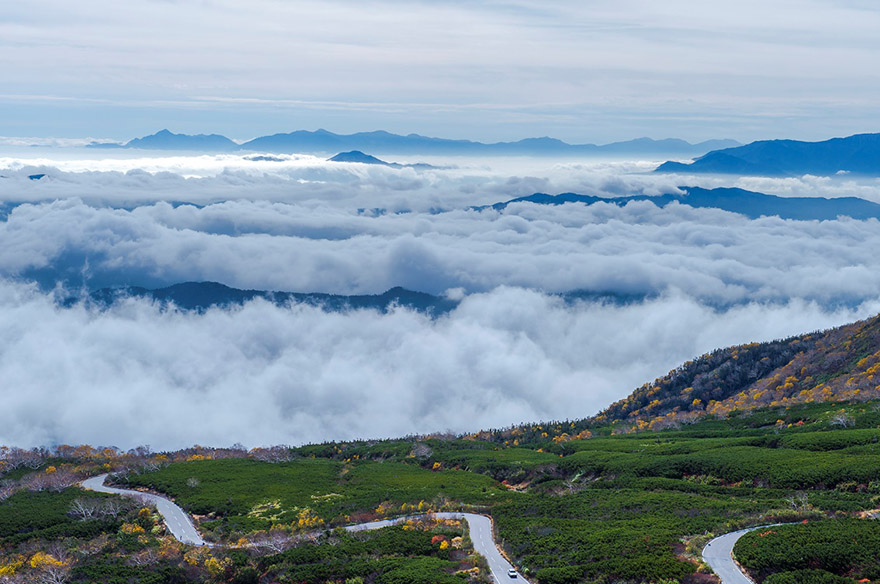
(859, 154)
(165, 140)
(740, 201)
(322, 141)
(200, 296)
(203, 295)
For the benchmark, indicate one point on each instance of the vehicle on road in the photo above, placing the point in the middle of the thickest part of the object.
(511, 573)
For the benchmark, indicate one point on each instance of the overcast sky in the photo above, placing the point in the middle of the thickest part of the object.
(583, 71)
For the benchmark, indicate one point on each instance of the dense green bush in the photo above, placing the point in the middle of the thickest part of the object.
(607, 509)
(114, 572)
(845, 547)
(389, 556)
(233, 487)
(807, 577)
(44, 514)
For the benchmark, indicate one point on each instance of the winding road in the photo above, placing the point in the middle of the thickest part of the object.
(176, 519)
(481, 534)
(181, 527)
(718, 553)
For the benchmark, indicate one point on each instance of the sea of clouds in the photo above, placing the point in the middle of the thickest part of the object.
(513, 351)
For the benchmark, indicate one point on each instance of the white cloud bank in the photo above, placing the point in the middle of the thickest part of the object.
(265, 375)
(711, 255)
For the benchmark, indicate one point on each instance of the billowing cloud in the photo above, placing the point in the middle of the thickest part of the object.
(263, 374)
(511, 352)
(712, 255)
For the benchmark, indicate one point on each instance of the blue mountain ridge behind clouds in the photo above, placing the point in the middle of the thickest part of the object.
(748, 203)
(858, 154)
(200, 296)
(304, 141)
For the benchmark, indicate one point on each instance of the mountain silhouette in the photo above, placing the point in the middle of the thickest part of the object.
(859, 154)
(748, 203)
(323, 141)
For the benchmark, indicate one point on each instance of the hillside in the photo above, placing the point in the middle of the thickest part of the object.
(570, 504)
(858, 154)
(836, 365)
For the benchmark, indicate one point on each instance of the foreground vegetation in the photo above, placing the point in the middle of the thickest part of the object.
(844, 551)
(751, 435)
(610, 508)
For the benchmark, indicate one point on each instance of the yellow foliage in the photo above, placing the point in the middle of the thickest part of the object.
(9, 567)
(196, 556)
(306, 519)
(44, 560)
(131, 528)
(444, 544)
(51, 469)
(169, 548)
(437, 466)
(217, 567)
(7, 570)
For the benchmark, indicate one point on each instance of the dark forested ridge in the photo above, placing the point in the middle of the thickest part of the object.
(836, 365)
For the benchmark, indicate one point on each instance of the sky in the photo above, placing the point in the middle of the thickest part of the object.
(512, 351)
(585, 72)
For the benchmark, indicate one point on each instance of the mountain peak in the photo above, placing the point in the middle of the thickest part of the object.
(167, 140)
(357, 156)
(859, 154)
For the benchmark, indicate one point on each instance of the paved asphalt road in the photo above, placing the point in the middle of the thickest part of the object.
(718, 554)
(480, 528)
(178, 522)
(176, 519)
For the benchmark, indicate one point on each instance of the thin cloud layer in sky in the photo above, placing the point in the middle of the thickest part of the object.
(582, 71)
